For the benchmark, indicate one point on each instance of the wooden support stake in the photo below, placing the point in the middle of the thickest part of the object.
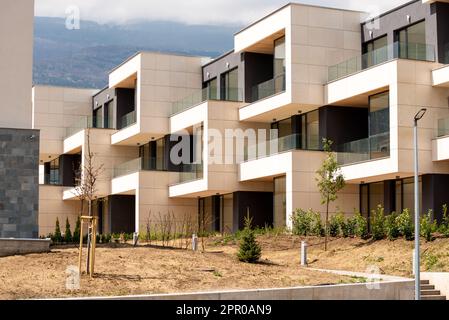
(81, 247)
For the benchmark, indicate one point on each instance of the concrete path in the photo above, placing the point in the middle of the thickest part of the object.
(370, 276)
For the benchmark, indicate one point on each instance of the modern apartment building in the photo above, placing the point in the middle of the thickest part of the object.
(253, 121)
(19, 143)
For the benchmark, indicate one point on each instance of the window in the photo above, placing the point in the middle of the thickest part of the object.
(109, 115)
(230, 86)
(211, 90)
(400, 196)
(54, 175)
(299, 132)
(313, 130)
(98, 118)
(375, 52)
(412, 42)
(379, 125)
(279, 65)
(280, 202)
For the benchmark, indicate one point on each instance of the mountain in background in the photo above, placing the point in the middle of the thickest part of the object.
(82, 58)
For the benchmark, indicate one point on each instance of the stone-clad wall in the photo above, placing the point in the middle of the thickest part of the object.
(19, 183)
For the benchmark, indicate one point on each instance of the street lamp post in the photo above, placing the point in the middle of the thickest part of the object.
(418, 117)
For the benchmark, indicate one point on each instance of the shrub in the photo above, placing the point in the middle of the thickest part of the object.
(405, 225)
(68, 233)
(57, 236)
(378, 223)
(444, 226)
(336, 225)
(391, 226)
(349, 228)
(250, 251)
(302, 223)
(317, 225)
(361, 226)
(76, 232)
(427, 227)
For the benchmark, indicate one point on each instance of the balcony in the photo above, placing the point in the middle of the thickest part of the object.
(372, 148)
(86, 122)
(268, 88)
(401, 50)
(127, 120)
(202, 95)
(275, 146)
(190, 172)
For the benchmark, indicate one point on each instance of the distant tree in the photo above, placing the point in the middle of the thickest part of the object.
(68, 233)
(76, 232)
(57, 236)
(330, 182)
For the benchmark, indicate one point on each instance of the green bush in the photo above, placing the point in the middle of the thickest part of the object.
(361, 226)
(405, 225)
(391, 226)
(249, 251)
(444, 226)
(317, 225)
(427, 227)
(336, 225)
(378, 223)
(76, 232)
(302, 223)
(349, 228)
(68, 233)
(57, 236)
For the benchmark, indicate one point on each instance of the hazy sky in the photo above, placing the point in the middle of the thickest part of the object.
(191, 11)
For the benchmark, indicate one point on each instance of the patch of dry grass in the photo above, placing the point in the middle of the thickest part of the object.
(125, 270)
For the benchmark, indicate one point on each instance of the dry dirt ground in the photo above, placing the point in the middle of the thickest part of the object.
(125, 270)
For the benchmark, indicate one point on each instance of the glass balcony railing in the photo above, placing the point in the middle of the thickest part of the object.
(268, 88)
(443, 127)
(402, 50)
(128, 120)
(87, 122)
(374, 147)
(202, 95)
(128, 167)
(191, 172)
(283, 144)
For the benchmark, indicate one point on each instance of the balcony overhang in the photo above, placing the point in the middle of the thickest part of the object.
(440, 77)
(440, 149)
(125, 185)
(355, 89)
(190, 189)
(260, 36)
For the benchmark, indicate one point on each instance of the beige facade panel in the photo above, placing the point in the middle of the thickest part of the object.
(56, 111)
(51, 207)
(16, 63)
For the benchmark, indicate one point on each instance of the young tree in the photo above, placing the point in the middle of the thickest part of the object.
(76, 232)
(87, 185)
(250, 251)
(57, 237)
(330, 182)
(68, 233)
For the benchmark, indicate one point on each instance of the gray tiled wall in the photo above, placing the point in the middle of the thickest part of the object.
(19, 183)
